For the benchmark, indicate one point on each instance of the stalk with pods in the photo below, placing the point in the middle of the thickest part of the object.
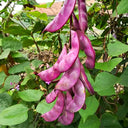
(74, 79)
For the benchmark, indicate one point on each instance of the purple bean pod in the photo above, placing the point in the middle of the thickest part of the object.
(67, 117)
(52, 96)
(85, 81)
(52, 73)
(85, 45)
(55, 112)
(79, 97)
(82, 15)
(70, 77)
(75, 22)
(62, 17)
(70, 58)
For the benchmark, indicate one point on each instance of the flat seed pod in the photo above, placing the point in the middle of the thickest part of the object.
(62, 17)
(70, 58)
(79, 97)
(85, 45)
(55, 112)
(51, 96)
(52, 73)
(85, 81)
(70, 77)
(82, 15)
(66, 118)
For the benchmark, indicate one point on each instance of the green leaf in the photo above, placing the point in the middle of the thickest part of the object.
(92, 105)
(91, 122)
(121, 8)
(36, 63)
(19, 67)
(109, 121)
(123, 80)
(30, 95)
(44, 107)
(11, 79)
(17, 30)
(117, 48)
(27, 42)
(2, 77)
(108, 66)
(104, 84)
(13, 44)
(41, 16)
(5, 54)
(5, 101)
(13, 115)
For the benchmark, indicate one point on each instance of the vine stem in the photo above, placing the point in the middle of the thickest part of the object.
(38, 49)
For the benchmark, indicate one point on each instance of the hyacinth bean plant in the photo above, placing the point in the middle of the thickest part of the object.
(74, 79)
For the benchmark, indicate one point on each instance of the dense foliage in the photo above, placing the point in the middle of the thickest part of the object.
(24, 50)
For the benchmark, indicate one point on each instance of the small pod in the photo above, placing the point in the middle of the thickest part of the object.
(86, 46)
(67, 117)
(52, 73)
(85, 81)
(51, 96)
(70, 58)
(55, 112)
(79, 97)
(82, 15)
(70, 77)
(75, 22)
(62, 17)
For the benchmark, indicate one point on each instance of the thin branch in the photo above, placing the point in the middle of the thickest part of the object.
(8, 4)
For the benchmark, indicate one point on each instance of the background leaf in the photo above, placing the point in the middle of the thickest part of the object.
(108, 66)
(13, 115)
(92, 105)
(11, 43)
(11, 79)
(109, 121)
(104, 84)
(19, 67)
(44, 107)
(5, 101)
(117, 48)
(91, 122)
(30, 95)
(2, 77)
(5, 54)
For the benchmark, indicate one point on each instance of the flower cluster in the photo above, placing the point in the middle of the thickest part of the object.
(74, 80)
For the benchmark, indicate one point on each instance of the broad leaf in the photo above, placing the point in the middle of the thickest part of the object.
(5, 54)
(30, 95)
(117, 48)
(92, 105)
(108, 66)
(36, 63)
(121, 8)
(17, 30)
(14, 79)
(11, 43)
(2, 77)
(5, 101)
(123, 80)
(44, 107)
(109, 121)
(13, 115)
(91, 122)
(104, 84)
(19, 67)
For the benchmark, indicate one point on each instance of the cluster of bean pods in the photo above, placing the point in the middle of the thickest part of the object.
(74, 80)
